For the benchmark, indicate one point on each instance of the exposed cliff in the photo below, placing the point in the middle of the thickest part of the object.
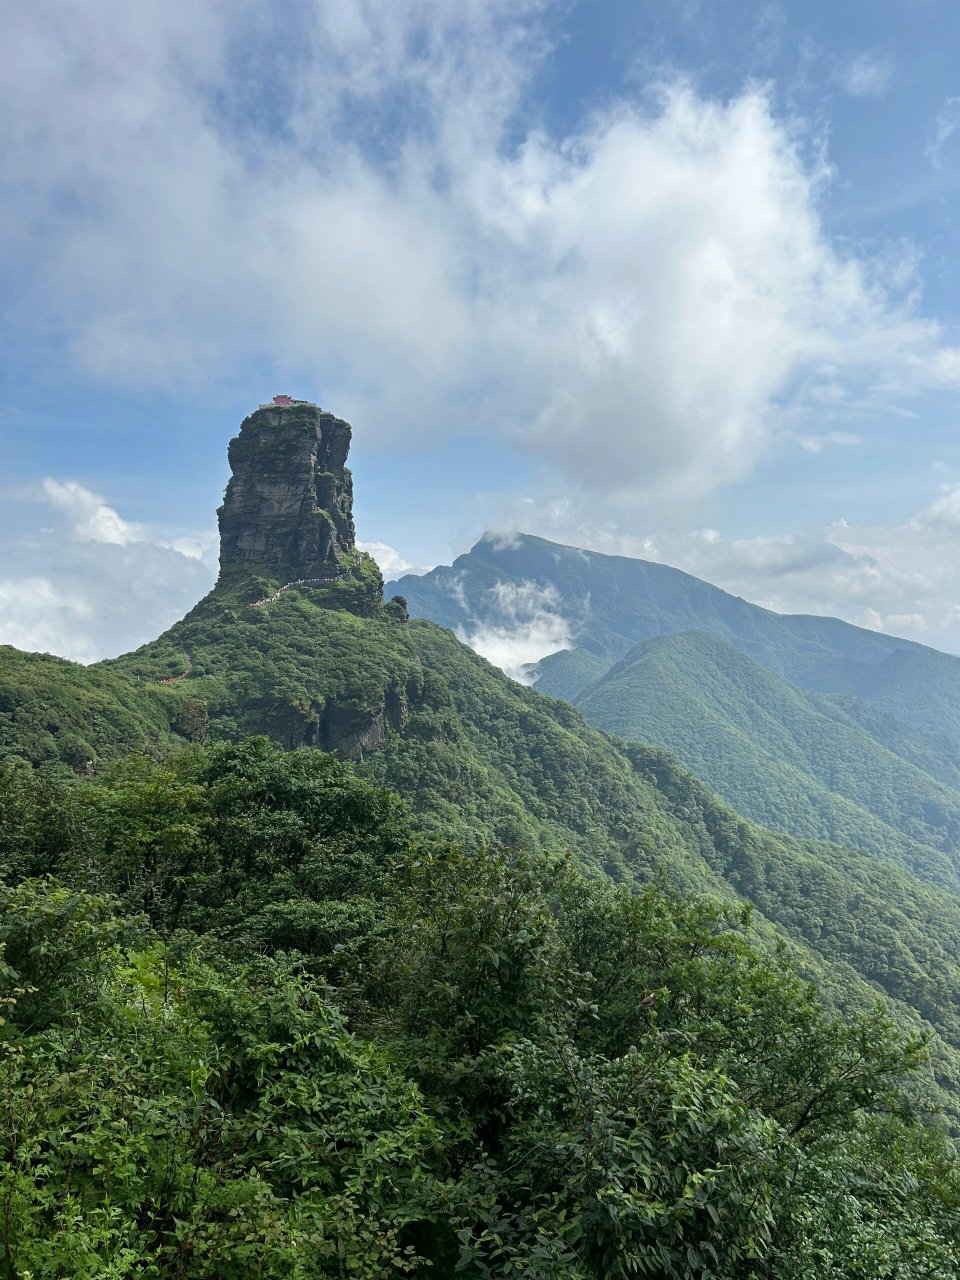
(288, 509)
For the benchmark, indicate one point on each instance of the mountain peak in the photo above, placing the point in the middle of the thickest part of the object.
(288, 508)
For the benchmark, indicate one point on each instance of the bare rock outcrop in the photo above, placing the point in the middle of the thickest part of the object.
(288, 509)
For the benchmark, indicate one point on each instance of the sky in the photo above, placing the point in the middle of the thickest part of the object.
(665, 278)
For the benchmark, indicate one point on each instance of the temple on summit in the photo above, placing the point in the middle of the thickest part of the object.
(285, 402)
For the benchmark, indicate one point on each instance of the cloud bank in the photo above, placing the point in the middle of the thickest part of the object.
(91, 584)
(362, 192)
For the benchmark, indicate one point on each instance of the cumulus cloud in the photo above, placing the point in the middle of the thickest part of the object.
(88, 516)
(524, 623)
(818, 443)
(944, 512)
(91, 584)
(37, 615)
(389, 559)
(360, 191)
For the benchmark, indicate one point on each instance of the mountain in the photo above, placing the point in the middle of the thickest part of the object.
(611, 603)
(781, 755)
(297, 642)
(288, 507)
(566, 673)
(53, 711)
(550, 1003)
(809, 725)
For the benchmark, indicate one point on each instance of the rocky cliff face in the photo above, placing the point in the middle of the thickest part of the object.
(288, 509)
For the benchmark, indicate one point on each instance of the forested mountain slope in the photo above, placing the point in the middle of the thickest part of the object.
(491, 761)
(258, 1025)
(322, 661)
(809, 725)
(784, 756)
(54, 710)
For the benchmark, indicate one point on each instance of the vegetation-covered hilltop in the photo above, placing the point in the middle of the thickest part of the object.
(795, 760)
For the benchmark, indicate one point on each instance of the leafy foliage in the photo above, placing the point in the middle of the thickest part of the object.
(782, 756)
(53, 710)
(187, 1118)
(256, 1025)
(482, 761)
(264, 1017)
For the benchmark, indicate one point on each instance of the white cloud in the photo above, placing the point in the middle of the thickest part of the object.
(455, 588)
(389, 559)
(525, 625)
(91, 584)
(35, 615)
(504, 539)
(944, 512)
(817, 443)
(198, 545)
(867, 75)
(90, 518)
(356, 190)
(898, 624)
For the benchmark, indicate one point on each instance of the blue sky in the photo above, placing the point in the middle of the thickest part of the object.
(672, 279)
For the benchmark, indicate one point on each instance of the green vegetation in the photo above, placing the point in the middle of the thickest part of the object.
(808, 725)
(51, 709)
(326, 950)
(778, 753)
(489, 763)
(614, 602)
(257, 1024)
(323, 1031)
(567, 673)
(905, 695)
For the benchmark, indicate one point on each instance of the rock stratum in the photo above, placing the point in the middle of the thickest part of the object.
(288, 508)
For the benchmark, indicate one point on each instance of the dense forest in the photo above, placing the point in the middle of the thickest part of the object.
(257, 1024)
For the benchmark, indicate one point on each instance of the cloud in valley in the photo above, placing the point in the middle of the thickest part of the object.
(525, 624)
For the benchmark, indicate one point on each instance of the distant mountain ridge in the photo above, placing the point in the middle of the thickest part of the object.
(613, 602)
(807, 724)
(782, 755)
